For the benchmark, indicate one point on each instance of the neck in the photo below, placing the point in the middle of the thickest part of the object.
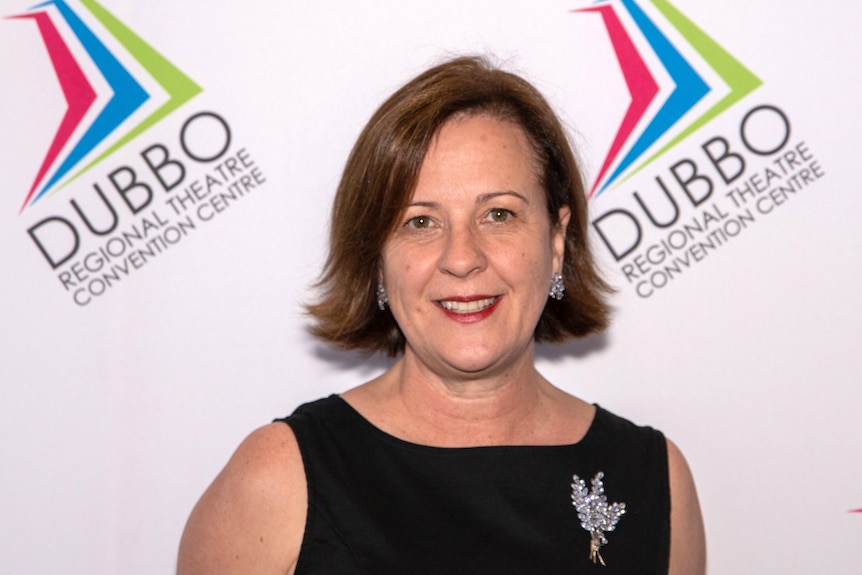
(472, 409)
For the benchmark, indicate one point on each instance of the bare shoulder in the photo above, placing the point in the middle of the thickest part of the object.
(251, 519)
(687, 538)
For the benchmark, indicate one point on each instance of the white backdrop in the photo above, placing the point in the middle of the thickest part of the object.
(117, 414)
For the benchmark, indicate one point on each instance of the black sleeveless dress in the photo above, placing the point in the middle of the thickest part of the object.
(378, 505)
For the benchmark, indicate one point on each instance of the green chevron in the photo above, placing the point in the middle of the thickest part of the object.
(739, 79)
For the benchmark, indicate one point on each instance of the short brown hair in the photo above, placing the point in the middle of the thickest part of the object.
(379, 180)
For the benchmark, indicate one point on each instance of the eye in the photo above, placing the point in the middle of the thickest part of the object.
(419, 222)
(500, 215)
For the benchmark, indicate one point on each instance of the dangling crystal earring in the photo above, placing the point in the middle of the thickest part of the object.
(558, 289)
(382, 298)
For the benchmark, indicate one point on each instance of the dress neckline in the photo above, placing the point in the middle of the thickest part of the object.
(594, 427)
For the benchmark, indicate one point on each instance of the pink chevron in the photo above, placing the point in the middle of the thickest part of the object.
(77, 91)
(856, 511)
(641, 83)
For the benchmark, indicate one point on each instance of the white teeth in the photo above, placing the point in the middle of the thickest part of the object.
(468, 306)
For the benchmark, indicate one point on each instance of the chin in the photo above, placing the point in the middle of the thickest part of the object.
(475, 362)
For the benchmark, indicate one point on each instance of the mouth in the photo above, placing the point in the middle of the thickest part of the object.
(465, 307)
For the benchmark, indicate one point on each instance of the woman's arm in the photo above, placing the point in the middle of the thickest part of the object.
(252, 517)
(687, 539)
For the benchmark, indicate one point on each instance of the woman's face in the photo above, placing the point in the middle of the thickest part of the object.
(469, 266)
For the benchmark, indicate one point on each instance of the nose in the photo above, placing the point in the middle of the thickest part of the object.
(463, 253)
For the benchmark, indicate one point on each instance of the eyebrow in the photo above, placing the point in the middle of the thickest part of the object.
(491, 195)
(480, 199)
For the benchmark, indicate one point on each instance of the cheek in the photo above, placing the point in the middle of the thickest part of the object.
(395, 264)
(539, 255)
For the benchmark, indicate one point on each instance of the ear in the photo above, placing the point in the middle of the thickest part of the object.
(558, 238)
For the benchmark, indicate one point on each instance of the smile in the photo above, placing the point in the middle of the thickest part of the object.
(467, 306)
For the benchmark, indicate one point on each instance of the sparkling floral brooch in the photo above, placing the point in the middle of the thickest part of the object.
(596, 516)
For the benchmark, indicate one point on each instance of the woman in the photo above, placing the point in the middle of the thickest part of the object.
(459, 240)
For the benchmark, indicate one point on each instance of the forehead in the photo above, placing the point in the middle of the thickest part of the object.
(479, 150)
